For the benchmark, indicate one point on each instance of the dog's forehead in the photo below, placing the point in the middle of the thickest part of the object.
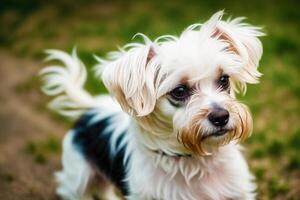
(194, 56)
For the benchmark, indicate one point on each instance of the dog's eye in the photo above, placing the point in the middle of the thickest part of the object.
(223, 82)
(180, 93)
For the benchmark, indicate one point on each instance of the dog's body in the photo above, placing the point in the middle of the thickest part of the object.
(171, 131)
(152, 175)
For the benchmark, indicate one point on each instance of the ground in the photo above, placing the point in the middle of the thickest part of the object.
(30, 134)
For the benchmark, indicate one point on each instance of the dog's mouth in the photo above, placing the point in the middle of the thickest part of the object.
(217, 133)
(220, 132)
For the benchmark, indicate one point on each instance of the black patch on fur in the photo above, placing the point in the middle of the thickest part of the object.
(95, 145)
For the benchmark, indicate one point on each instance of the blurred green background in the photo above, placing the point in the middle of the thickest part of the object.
(27, 27)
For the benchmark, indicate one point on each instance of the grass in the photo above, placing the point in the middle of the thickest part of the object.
(98, 27)
(41, 149)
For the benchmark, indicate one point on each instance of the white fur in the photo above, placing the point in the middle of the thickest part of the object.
(140, 76)
(66, 82)
(76, 173)
(224, 174)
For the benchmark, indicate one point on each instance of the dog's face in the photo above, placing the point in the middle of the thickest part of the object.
(184, 87)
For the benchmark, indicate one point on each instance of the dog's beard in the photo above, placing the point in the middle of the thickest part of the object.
(198, 136)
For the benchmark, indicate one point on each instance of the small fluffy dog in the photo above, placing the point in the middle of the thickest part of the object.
(171, 129)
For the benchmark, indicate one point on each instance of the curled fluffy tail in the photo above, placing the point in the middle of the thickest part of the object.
(66, 82)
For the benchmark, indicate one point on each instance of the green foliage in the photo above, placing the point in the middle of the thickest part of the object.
(276, 187)
(41, 149)
(258, 153)
(276, 148)
(294, 140)
(52, 144)
(294, 162)
(259, 173)
(40, 158)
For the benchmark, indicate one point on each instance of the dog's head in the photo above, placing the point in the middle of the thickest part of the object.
(183, 87)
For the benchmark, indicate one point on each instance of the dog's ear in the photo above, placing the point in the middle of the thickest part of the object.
(130, 79)
(242, 40)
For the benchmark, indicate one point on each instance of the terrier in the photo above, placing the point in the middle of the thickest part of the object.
(171, 126)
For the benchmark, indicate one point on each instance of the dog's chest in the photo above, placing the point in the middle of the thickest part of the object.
(180, 180)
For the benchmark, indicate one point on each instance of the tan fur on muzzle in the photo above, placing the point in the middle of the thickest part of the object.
(193, 136)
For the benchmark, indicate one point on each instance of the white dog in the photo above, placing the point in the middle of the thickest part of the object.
(171, 130)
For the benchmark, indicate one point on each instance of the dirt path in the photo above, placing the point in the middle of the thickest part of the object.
(21, 177)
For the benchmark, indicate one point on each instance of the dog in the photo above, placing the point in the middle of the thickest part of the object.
(171, 127)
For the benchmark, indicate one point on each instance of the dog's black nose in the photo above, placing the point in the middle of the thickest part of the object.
(219, 117)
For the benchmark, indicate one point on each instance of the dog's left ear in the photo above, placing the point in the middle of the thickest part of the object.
(242, 40)
(130, 79)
